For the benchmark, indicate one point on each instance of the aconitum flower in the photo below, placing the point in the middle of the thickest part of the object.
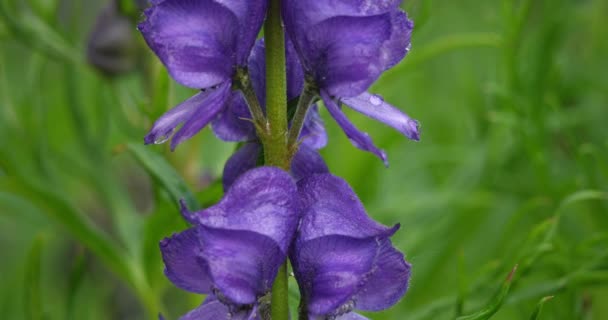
(342, 259)
(235, 248)
(344, 46)
(233, 124)
(203, 44)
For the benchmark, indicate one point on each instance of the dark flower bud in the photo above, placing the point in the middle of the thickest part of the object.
(111, 44)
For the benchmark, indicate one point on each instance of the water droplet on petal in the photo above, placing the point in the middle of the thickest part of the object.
(376, 100)
(162, 139)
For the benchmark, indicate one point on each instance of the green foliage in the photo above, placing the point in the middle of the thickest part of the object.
(512, 168)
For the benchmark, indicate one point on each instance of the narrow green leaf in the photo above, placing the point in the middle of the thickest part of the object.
(74, 221)
(33, 294)
(164, 174)
(539, 308)
(494, 305)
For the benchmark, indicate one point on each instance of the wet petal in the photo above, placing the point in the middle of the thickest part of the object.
(375, 107)
(207, 111)
(197, 51)
(359, 139)
(182, 264)
(307, 162)
(245, 159)
(164, 126)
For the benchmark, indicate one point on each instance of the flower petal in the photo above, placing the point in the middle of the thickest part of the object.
(398, 45)
(263, 200)
(164, 126)
(207, 111)
(388, 282)
(359, 139)
(330, 270)
(182, 265)
(351, 316)
(195, 40)
(374, 107)
(344, 53)
(250, 14)
(313, 132)
(306, 162)
(233, 123)
(213, 309)
(245, 159)
(243, 264)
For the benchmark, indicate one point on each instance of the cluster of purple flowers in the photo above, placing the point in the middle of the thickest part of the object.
(335, 49)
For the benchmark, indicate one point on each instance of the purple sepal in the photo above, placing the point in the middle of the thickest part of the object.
(359, 139)
(195, 113)
(343, 260)
(213, 309)
(243, 160)
(374, 107)
(307, 162)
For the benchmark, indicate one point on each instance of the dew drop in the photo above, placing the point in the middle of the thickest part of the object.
(162, 139)
(375, 100)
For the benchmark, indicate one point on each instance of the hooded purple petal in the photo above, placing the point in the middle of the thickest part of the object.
(244, 238)
(351, 316)
(346, 45)
(307, 162)
(343, 260)
(182, 266)
(245, 159)
(359, 139)
(207, 111)
(374, 107)
(250, 14)
(213, 309)
(195, 40)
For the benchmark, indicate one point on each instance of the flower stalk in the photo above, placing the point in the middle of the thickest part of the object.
(309, 94)
(275, 146)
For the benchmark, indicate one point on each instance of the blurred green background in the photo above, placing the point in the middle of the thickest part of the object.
(512, 168)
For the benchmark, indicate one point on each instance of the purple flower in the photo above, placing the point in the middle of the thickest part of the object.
(213, 309)
(202, 43)
(342, 259)
(235, 248)
(345, 46)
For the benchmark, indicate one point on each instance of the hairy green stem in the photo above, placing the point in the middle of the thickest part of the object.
(306, 98)
(243, 82)
(274, 139)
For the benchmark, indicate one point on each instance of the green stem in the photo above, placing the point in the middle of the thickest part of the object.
(243, 82)
(306, 98)
(274, 139)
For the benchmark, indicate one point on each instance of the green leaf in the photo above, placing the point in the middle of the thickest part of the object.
(163, 173)
(33, 294)
(494, 305)
(74, 221)
(539, 308)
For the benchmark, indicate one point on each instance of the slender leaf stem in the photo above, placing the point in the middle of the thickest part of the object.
(243, 82)
(306, 98)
